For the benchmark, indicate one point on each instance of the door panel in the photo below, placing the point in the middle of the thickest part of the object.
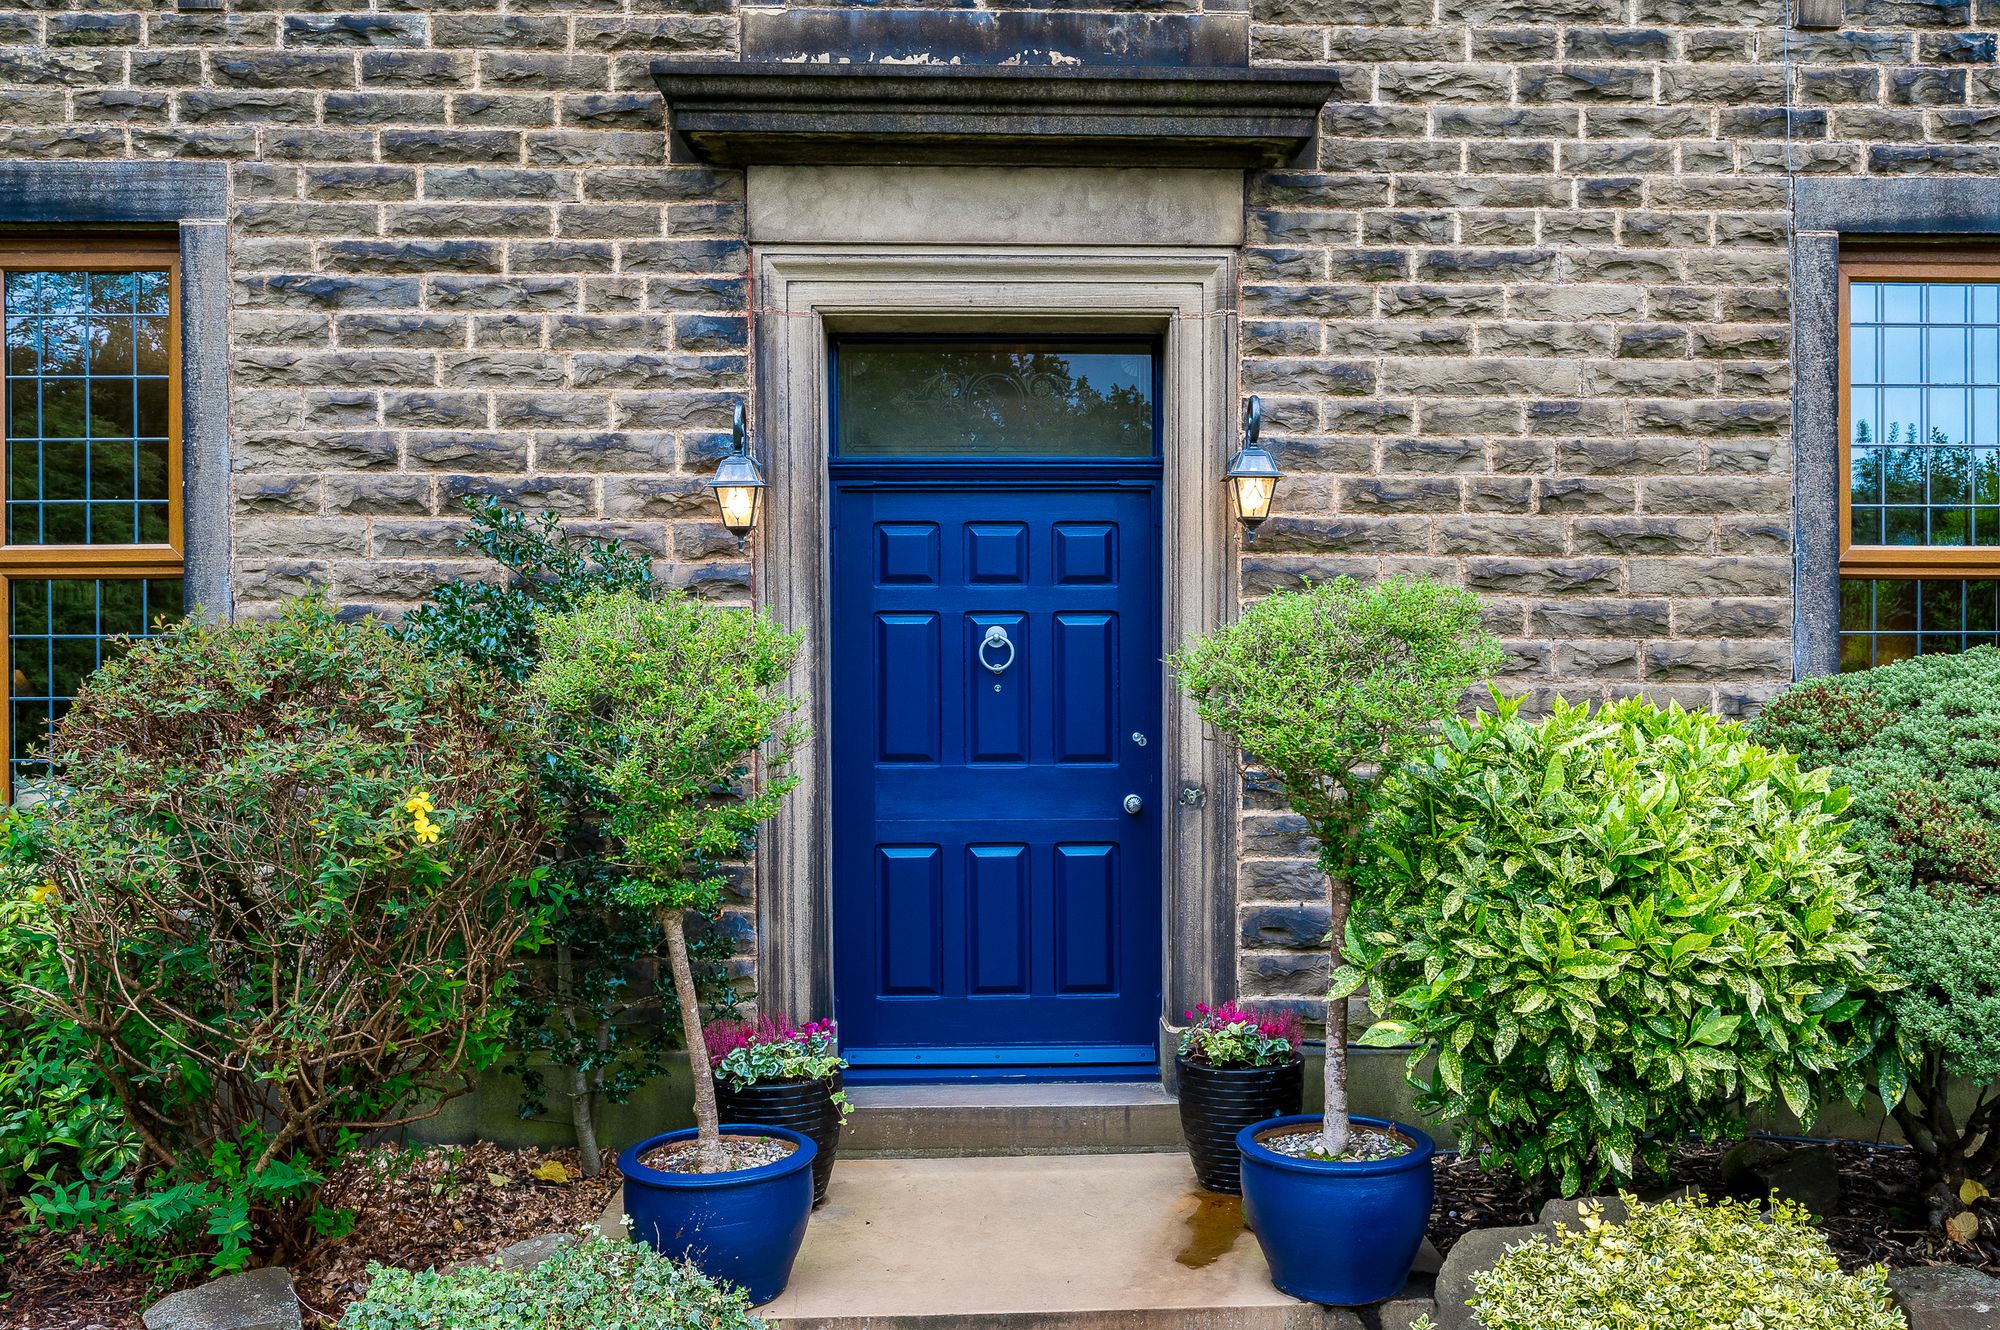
(996, 696)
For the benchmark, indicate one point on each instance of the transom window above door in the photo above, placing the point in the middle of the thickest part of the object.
(1920, 461)
(1057, 398)
(91, 550)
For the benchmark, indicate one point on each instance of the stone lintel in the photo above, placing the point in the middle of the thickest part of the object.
(992, 205)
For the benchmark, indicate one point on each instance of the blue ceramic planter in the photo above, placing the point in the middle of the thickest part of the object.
(1343, 1235)
(743, 1228)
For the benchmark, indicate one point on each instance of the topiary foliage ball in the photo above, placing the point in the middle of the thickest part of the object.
(1607, 930)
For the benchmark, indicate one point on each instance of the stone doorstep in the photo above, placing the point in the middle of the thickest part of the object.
(1076, 1242)
(1082, 1117)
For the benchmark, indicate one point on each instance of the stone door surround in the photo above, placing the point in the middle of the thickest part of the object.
(1048, 249)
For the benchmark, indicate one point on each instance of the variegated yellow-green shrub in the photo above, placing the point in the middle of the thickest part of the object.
(1683, 1265)
(1608, 930)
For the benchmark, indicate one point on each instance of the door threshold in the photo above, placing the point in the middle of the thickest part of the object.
(1077, 1062)
(1050, 1074)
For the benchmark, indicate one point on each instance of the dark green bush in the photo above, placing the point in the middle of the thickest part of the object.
(1607, 931)
(288, 864)
(586, 1006)
(1918, 744)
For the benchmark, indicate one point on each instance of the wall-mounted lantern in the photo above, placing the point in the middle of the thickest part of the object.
(738, 482)
(1253, 474)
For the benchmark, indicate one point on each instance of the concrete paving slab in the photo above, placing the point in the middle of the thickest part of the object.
(1117, 1241)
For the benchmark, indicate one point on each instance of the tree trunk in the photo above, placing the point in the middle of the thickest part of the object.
(582, 1103)
(583, 1121)
(1334, 1127)
(707, 1122)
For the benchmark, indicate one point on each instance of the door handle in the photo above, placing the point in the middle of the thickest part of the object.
(996, 639)
(1134, 805)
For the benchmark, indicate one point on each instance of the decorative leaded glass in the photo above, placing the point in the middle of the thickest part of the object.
(1887, 619)
(58, 631)
(1924, 413)
(88, 397)
(986, 398)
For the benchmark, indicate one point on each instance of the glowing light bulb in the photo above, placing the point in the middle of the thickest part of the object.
(1253, 495)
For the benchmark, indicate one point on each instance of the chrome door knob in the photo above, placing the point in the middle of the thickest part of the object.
(1134, 804)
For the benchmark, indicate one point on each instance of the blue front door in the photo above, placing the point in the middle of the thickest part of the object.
(996, 708)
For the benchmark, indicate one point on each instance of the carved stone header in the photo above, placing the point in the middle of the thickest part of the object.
(746, 114)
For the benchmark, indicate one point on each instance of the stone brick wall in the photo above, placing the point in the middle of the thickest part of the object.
(1525, 326)
(461, 265)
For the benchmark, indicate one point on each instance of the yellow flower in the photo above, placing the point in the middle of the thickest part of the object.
(43, 894)
(418, 804)
(425, 830)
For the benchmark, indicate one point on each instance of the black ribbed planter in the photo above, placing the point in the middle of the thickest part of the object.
(806, 1107)
(1218, 1102)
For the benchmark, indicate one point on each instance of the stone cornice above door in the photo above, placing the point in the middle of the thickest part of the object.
(772, 113)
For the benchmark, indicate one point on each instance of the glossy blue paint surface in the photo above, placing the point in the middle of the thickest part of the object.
(994, 905)
(742, 1228)
(1343, 1235)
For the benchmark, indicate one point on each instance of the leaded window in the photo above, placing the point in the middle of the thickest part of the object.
(1920, 462)
(92, 530)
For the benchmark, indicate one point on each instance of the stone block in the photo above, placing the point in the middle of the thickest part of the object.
(562, 256)
(94, 29)
(255, 1300)
(525, 1254)
(1474, 1253)
(384, 29)
(1714, 661)
(1294, 925)
(1946, 1297)
(1518, 577)
(1758, 1169)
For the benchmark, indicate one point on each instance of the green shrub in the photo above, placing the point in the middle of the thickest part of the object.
(288, 864)
(59, 1119)
(1607, 931)
(667, 704)
(583, 1003)
(591, 1284)
(1322, 688)
(1918, 744)
(1683, 1265)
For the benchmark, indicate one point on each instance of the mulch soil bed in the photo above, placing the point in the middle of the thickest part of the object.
(1879, 1221)
(416, 1209)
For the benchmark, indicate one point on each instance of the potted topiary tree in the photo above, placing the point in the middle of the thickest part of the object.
(1323, 688)
(667, 703)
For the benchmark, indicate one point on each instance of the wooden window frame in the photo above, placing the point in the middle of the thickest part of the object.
(1934, 263)
(111, 253)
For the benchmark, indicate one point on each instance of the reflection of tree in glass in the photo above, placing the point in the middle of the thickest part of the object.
(997, 399)
(87, 359)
